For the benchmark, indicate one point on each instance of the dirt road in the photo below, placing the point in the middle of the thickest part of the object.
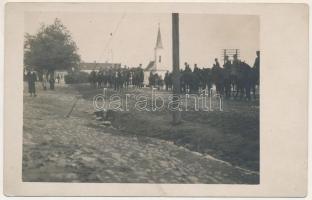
(77, 149)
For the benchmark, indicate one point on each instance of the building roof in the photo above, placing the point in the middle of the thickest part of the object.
(150, 66)
(159, 42)
(98, 66)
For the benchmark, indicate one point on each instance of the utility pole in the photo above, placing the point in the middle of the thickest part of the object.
(176, 115)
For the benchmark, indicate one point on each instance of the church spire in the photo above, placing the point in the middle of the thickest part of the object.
(159, 42)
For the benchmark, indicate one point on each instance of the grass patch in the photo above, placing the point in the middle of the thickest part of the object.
(231, 135)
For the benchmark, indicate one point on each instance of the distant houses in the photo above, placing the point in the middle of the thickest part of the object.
(88, 67)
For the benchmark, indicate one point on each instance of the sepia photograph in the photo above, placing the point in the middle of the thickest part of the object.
(141, 98)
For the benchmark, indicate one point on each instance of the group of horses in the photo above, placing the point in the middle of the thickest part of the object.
(235, 79)
(117, 78)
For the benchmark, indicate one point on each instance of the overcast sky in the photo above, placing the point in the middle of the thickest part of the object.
(202, 36)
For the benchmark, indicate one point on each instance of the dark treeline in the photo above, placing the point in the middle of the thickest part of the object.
(235, 78)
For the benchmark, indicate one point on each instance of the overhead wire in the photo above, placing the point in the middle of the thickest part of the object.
(112, 34)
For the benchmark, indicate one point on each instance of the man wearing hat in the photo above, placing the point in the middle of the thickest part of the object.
(257, 65)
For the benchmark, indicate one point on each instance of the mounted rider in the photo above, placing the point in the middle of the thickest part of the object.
(235, 65)
(227, 67)
(217, 76)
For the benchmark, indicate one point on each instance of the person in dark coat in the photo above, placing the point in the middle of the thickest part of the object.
(51, 81)
(227, 67)
(217, 76)
(58, 79)
(31, 79)
(166, 79)
(257, 66)
(256, 73)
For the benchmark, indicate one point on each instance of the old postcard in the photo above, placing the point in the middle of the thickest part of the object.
(156, 99)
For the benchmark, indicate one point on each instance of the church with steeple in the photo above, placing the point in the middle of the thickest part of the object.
(157, 65)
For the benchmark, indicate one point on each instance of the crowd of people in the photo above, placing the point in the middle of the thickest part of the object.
(47, 80)
(236, 78)
(118, 78)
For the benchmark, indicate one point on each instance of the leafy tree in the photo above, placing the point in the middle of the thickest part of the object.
(50, 49)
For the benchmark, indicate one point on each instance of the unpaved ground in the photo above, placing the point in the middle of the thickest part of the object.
(231, 135)
(77, 149)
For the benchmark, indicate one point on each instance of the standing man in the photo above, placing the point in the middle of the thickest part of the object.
(217, 76)
(58, 78)
(166, 79)
(31, 79)
(51, 81)
(115, 80)
(227, 76)
(234, 75)
(256, 70)
(196, 78)
(44, 81)
(217, 64)
(141, 76)
(257, 65)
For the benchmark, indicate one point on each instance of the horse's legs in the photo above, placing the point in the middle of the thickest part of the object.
(242, 91)
(254, 90)
(237, 88)
(227, 89)
(248, 92)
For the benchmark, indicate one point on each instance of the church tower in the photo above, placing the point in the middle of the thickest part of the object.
(157, 65)
(158, 50)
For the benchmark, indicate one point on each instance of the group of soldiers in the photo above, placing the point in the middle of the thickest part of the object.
(156, 81)
(236, 78)
(117, 78)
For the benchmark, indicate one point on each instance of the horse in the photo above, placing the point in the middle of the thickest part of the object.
(206, 78)
(227, 79)
(217, 78)
(245, 80)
